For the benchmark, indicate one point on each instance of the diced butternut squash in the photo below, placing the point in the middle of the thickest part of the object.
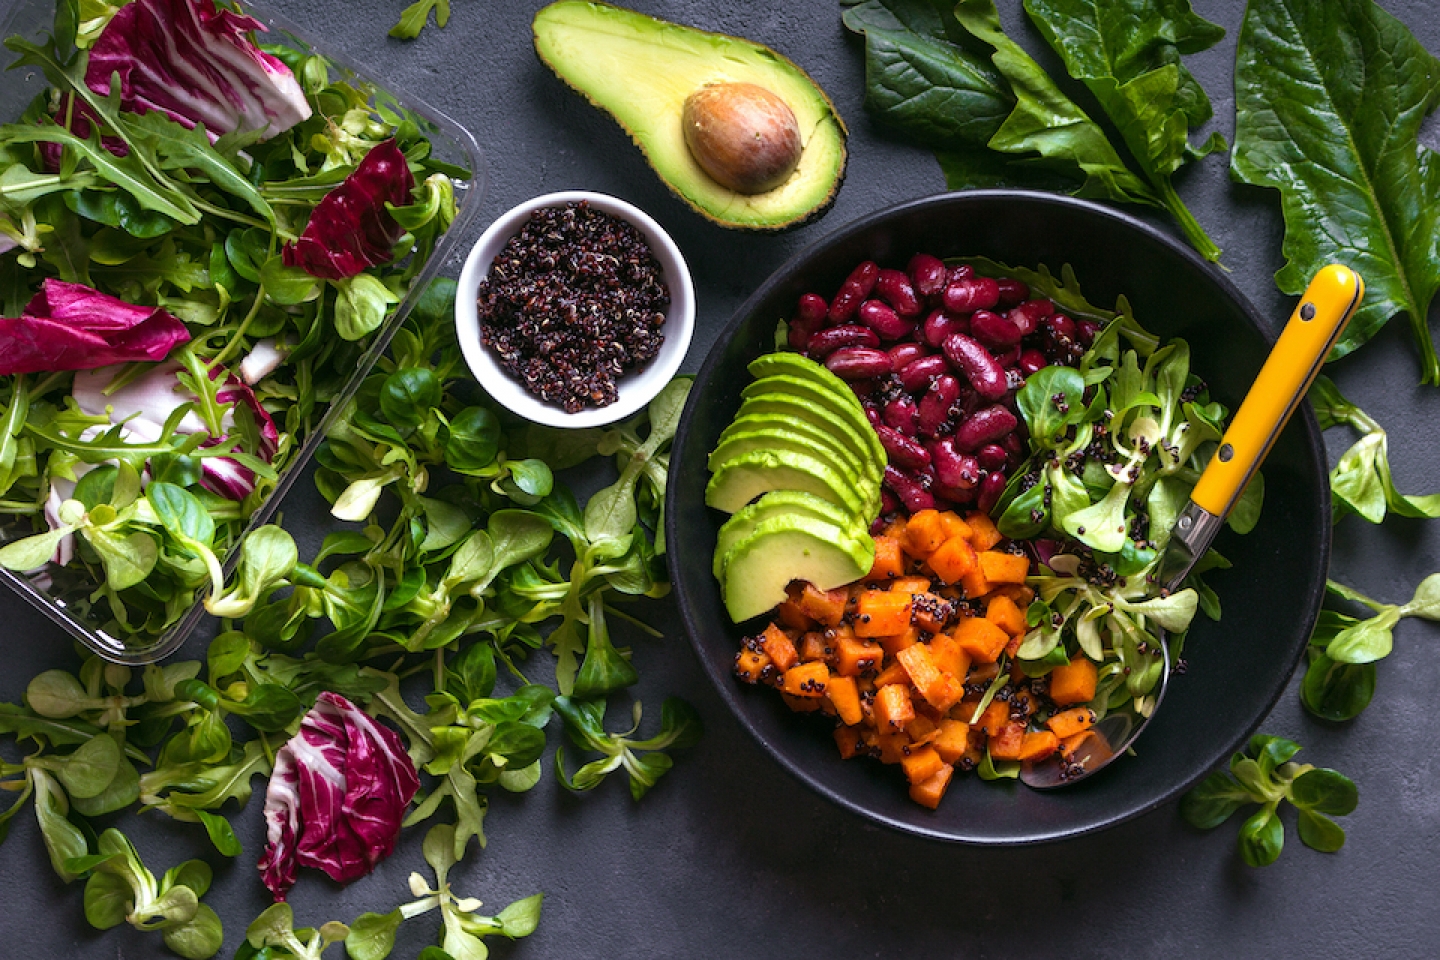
(974, 583)
(1074, 682)
(845, 695)
(1067, 723)
(802, 704)
(921, 764)
(889, 560)
(1037, 745)
(939, 689)
(1086, 742)
(929, 612)
(824, 606)
(750, 665)
(951, 739)
(994, 718)
(813, 646)
(893, 708)
(910, 585)
(980, 638)
(929, 792)
(897, 642)
(923, 534)
(922, 729)
(949, 656)
(953, 559)
(1004, 567)
(952, 526)
(892, 674)
(779, 647)
(984, 533)
(792, 617)
(882, 614)
(892, 746)
(1008, 743)
(1002, 611)
(848, 740)
(855, 657)
(807, 680)
(1022, 595)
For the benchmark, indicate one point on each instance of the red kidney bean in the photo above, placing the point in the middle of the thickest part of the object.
(1058, 325)
(904, 354)
(975, 362)
(1012, 291)
(976, 293)
(827, 341)
(908, 489)
(992, 456)
(1014, 446)
(853, 291)
(1028, 314)
(857, 363)
(1009, 358)
(895, 289)
(993, 330)
(985, 426)
(864, 389)
(918, 375)
(1031, 361)
(901, 413)
(928, 274)
(939, 325)
(884, 321)
(800, 334)
(889, 503)
(1087, 330)
(872, 413)
(901, 450)
(955, 495)
(990, 490)
(936, 405)
(954, 469)
(961, 271)
(812, 308)
(878, 525)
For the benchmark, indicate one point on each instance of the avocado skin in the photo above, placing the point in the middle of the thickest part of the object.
(687, 180)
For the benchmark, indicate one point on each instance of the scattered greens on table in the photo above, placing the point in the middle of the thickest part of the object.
(1264, 774)
(998, 119)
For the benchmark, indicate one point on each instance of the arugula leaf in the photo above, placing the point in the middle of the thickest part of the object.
(1127, 52)
(414, 17)
(1329, 102)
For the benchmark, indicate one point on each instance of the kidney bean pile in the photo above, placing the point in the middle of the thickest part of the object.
(935, 354)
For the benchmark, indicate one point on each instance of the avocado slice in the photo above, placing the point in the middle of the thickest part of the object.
(825, 404)
(785, 548)
(788, 406)
(798, 427)
(776, 504)
(741, 479)
(642, 71)
(741, 443)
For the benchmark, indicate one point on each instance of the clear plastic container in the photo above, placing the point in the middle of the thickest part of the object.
(451, 143)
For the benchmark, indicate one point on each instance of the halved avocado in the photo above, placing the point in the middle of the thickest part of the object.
(820, 396)
(741, 479)
(741, 443)
(790, 547)
(776, 504)
(643, 71)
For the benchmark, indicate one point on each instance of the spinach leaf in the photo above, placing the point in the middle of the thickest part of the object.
(1329, 99)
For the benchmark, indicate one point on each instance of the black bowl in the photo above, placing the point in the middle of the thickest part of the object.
(1236, 668)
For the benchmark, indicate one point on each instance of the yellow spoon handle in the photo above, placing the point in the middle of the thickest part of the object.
(1319, 319)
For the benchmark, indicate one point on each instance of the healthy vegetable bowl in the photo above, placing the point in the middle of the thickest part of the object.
(1234, 673)
(196, 280)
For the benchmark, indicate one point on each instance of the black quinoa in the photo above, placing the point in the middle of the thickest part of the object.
(574, 301)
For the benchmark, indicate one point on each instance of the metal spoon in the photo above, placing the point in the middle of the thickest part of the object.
(1326, 307)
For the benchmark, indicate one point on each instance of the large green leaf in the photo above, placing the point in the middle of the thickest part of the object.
(1329, 100)
(1127, 52)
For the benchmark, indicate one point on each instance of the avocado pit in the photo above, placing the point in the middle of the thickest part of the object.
(745, 137)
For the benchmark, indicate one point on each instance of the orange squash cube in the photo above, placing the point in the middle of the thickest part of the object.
(1037, 745)
(824, 606)
(1009, 742)
(910, 585)
(928, 793)
(848, 740)
(949, 656)
(894, 644)
(921, 764)
(1067, 723)
(953, 560)
(929, 612)
(1074, 682)
(923, 534)
(845, 695)
(994, 718)
(892, 674)
(854, 657)
(939, 689)
(779, 647)
(807, 680)
(952, 526)
(750, 665)
(1004, 567)
(893, 708)
(952, 738)
(889, 560)
(813, 646)
(980, 638)
(882, 614)
(801, 704)
(984, 533)
(893, 747)
(791, 617)
(1002, 611)
(921, 730)
(974, 583)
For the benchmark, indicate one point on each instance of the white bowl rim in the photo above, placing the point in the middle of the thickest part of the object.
(636, 388)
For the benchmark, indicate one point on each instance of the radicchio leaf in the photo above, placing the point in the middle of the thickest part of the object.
(69, 326)
(196, 64)
(350, 229)
(76, 115)
(337, 796)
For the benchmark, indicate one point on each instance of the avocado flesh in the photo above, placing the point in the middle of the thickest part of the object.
(743, 443)
(798, 427)
(818, 395)
(758, 568)
(641, 70)
(777, 504)
(741, 479)
(788, 405)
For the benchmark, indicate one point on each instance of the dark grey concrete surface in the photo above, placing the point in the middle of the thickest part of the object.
(729, 857)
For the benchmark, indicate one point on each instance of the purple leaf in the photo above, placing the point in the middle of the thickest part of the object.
(69, 326)
(196, 64)
(337, 796)
(350, 229)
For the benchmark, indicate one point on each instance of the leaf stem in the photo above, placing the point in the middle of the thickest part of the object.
(1195, 233)
(234, 340)
(1429, 363)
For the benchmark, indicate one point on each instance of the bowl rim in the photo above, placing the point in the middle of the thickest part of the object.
(724, 683)
(638, 387)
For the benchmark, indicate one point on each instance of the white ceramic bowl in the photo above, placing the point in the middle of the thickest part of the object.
(636, 388)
